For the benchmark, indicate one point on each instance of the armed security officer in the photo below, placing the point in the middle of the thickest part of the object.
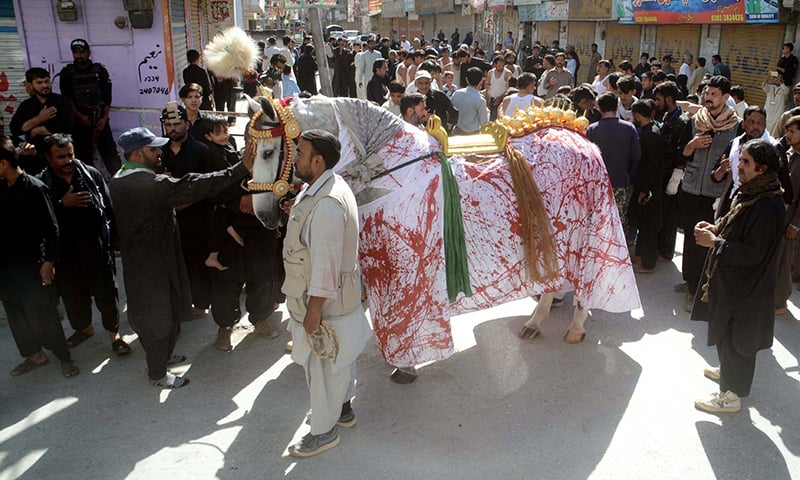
(88, 85)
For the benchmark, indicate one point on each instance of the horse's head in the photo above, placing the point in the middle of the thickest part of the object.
(272, 167)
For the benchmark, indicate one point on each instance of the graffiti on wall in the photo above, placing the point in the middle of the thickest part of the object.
(5, 96)
(50, 67)
(220, 10)
(151, 79)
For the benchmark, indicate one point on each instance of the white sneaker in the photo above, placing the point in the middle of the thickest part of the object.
(712, 373)
(727, 402)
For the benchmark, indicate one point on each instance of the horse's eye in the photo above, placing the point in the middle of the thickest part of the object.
(265, 154)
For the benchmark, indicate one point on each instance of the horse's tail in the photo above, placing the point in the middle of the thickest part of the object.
(541, 261)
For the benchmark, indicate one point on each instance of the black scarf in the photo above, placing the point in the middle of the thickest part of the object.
(763, 186)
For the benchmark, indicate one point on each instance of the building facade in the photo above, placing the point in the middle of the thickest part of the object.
(145, 61)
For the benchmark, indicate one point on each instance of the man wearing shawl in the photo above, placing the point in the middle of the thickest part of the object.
(713, 127)
(737, 290)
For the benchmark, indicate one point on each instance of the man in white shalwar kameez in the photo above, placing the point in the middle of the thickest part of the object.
(323, 289)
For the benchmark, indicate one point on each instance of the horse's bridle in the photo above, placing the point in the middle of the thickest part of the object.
(288, 129)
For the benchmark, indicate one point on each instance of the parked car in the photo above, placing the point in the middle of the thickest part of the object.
(334, 31)
(352, 35)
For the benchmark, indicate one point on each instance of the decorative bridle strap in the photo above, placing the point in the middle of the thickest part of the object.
(288, 129)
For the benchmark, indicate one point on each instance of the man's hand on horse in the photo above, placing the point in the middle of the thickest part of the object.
(246, 204)
(286, 205)
(249, 156)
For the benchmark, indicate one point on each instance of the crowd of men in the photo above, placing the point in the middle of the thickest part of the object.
(683, 152)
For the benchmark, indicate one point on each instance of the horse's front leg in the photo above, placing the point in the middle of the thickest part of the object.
(531, 329)
(575, 331)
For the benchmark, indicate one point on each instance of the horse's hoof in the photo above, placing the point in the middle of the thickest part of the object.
(528, 333)
(574, 337)
(403, 376)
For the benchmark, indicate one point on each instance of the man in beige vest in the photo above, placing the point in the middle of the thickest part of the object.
(323, 290)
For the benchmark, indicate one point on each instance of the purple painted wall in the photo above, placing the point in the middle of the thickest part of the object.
(135, 58)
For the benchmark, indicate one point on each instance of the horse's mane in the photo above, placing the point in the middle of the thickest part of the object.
(363, 126)
(370, 126)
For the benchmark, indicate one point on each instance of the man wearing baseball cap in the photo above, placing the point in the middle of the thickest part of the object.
(156, 281)
(88, 85)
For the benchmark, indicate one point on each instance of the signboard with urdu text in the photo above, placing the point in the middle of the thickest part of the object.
(697, 11)
(300, 4)
(545, 11)
(432, 7)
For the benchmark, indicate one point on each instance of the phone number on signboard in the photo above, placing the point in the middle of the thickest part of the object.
(734, 17)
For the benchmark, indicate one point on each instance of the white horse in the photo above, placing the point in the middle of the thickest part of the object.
(398, 180)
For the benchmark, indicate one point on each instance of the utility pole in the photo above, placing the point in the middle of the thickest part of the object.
(326, 86)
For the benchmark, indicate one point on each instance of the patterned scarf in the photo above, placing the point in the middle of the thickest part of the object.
(763, 186)
(704, 122)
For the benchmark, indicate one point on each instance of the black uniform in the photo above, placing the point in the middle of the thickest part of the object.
(194, 221)
(63, 122)
(30, 239)
(306, 68)
(344, 73)
(85, 268)
(258, 265)
(197, 74)
(677, 132)
(90, 91)
(438, 103)
(377, 90)
(646, 215)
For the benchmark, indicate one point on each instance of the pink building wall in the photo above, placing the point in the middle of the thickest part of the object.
(136, 59)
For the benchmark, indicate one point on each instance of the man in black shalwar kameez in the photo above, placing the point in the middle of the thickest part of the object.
(156, 282)
(737, 291)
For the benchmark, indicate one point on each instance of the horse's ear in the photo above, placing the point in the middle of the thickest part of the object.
(266, 106)
(253, 107)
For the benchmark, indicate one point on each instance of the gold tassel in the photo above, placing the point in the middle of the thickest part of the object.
(541, 262)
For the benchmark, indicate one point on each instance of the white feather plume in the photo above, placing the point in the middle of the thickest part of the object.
(231, 52)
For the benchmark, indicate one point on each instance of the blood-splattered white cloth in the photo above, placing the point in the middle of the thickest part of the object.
(402, 250)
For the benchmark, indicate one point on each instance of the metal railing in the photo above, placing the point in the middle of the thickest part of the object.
(237, 131)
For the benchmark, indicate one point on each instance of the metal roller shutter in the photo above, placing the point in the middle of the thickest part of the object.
(196, 25)
(409, 28)
(622, 42)
(546, 32)
(677, 40)
(750, 50)
(12, 65)
(581, 36)
(178, 17)
(465, 23)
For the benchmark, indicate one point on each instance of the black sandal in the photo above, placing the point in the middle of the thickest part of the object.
(171, 383)
(68, 369)
(77, 338)
(26, 366)
(176, 359)
(120, 347)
